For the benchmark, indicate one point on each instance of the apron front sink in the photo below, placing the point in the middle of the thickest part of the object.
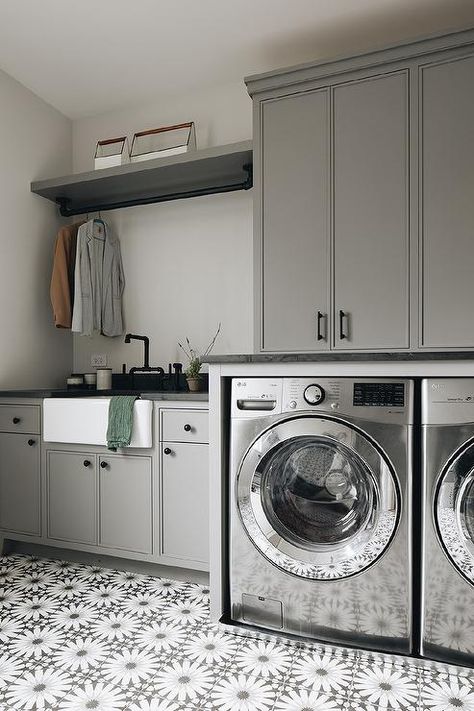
(84, 420)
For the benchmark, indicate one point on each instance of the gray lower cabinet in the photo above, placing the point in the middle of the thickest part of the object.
(447, 203)
(20, 483)
(125, 496)
(71, 490)
(100, 500)
(185, 505)
(371, 238)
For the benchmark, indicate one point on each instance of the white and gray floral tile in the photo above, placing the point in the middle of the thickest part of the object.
(77, 637)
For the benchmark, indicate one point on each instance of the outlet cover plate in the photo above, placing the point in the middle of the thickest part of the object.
(99, 360)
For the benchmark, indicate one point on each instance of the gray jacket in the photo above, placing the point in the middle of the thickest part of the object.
(99, 281)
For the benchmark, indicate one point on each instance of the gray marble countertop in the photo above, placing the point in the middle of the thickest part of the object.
(396, 356)
(152, 395)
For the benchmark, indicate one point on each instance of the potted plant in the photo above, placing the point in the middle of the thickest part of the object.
(193, 370)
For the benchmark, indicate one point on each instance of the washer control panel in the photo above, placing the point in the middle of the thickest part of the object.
(389, 394)
(314, 394)
(311, 394)
(380, 400)
(385, 399)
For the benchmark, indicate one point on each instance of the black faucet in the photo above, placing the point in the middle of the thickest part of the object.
(146, 358)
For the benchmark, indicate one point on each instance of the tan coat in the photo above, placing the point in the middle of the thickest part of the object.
(62, 278)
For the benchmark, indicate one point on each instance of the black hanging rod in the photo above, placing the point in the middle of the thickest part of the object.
(67, 211)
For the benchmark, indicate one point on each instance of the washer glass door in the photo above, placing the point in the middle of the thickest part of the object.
(454, 511)
(317, 498)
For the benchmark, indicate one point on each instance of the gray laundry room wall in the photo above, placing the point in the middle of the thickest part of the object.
(35, 141)
(188, 263)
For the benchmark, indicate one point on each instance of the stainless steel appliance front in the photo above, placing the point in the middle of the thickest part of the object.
(448, 520)
(320, 507)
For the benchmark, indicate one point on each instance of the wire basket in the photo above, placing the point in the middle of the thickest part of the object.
(164, 141)
(111, 152)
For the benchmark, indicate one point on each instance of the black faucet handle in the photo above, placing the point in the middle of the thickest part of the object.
(178, 368)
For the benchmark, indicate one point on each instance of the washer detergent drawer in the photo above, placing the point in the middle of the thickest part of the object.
(84, 421)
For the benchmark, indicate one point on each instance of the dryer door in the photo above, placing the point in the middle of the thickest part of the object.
(454, 510)
(317, 498)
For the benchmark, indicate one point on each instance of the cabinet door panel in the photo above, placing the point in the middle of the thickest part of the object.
(72, 497)
(19, 484)
(371, 240)
(295, 207)
(185, 505)
(125, 485)
(447, 162)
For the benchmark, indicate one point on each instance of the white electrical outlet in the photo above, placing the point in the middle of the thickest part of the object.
(98, 360)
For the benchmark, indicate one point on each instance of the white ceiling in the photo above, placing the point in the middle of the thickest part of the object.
(90, 56)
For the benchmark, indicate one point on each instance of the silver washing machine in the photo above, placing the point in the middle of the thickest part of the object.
(320, 508)
(448, 520)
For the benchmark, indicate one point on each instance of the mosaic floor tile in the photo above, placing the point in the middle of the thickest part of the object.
(76, 637)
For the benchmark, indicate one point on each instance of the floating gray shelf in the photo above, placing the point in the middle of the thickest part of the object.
(205, 172)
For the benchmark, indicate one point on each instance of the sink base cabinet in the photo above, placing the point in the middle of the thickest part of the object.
(100, 502)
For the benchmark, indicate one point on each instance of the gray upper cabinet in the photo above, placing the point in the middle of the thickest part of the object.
(295, 222)
(447, 206)
(364, 209)
(371, 237)
(350, 201)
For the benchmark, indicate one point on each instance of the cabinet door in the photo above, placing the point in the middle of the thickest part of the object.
(185, 505)
(371, 238)
(72, 497)
(126, 495)
(447, 225)
(294, 222)
(20, 483)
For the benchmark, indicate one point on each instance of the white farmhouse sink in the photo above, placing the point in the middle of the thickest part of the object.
(83, 420)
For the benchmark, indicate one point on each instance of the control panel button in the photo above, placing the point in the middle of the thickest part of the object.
(293, 404)
(314, 394)
(334, 406)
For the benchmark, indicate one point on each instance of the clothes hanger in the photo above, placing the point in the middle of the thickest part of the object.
(100, 221)
(99, 218)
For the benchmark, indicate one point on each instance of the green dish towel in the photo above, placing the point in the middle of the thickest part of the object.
(119, 430)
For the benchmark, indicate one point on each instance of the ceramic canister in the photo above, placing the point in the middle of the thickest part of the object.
(104, 378)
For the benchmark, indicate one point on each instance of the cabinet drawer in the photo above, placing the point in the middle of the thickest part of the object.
(185, 426)
(20, 418)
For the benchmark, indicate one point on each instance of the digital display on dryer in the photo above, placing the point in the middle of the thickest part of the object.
(379, 394)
